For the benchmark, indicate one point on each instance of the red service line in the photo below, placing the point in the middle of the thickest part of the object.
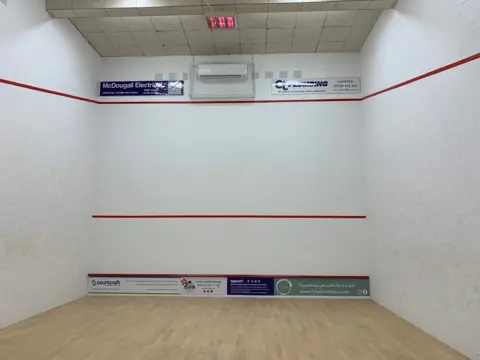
(229, 217)
(229, 275)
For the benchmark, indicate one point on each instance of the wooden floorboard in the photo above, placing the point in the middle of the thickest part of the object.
(180, 328)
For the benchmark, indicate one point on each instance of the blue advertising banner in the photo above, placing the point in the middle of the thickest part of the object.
(250, 286)
(141, 88)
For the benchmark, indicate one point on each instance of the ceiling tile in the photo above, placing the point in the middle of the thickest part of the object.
(130, 51)
(86, 25)
(303, 48)
(186, 10)
(59, 4)
(352, 46)
(382, 4)
(123, 12)
(114, 4)
(335, 33)
(199, 37)
(225, 36)
(318, 6)
(184, 2)
(367, 17)
(153, 50)
(98, 40)
(307, 36)
(108, 24)
(244, 9)
(287, 7)
(253, 48)
(221, 2)
(167, 22)
(340, 18)
(87, 4)
(227, 48)
(251, 1)
(281, 20)
(62, 13)
(202, 49)
(333, 46)
(178, 50)
(146, 39)
(194, 22)
(359, 33)
(107, 51)
(278, 48)
(311, 19)
(352, 5)
(252, 21)
(121, 39)
(172, 37)
(279, 35)
(152, 3)
(140, 23)
(90, 12)
(228, 9)
(253, 36)
(158, 11)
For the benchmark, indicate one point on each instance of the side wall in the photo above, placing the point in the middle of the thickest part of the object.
(422, 167)
(276, 158)
(45, 161)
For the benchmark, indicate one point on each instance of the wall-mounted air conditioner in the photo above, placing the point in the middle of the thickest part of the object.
(222, 71)
(227, 81)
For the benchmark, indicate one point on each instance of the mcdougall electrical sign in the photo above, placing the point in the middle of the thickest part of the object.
(141, 88)
(316, 86)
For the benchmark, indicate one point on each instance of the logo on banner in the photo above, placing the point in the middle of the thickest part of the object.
(284, 287)
(285, 85)
(106, 282)
(188, 284)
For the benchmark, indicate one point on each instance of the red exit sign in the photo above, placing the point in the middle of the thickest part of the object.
(221, 22)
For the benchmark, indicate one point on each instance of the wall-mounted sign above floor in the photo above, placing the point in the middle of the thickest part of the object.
(316, 86)
(240, 285)
(322, 287)
(141, 88)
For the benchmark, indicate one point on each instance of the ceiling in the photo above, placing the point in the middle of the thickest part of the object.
(118, 28)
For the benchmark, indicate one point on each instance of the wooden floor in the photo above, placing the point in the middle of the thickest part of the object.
(173, 328)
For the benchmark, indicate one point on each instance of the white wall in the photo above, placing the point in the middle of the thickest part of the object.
(422, 168)
(279, 158)
(45, 161)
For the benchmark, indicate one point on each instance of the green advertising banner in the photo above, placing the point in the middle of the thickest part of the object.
(351, 287)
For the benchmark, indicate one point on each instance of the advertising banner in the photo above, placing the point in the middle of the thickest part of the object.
(351, 287)
(316, 86)
(250, 286)
(133, 285)
(141, 88)
(209, 286)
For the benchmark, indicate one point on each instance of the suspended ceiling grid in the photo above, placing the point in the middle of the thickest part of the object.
(117, 28)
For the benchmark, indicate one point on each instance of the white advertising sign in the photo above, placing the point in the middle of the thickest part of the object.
(132, 285)
(316, 86)
(198, 286)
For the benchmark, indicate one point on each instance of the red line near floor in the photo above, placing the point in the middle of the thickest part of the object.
(229, 216)
(426, 75)
(230, 276)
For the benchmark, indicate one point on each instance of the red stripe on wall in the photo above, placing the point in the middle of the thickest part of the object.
(426, 75)
(46, 91)
(418, 78)
(230, 275)
(226, 102)
(229, 216)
